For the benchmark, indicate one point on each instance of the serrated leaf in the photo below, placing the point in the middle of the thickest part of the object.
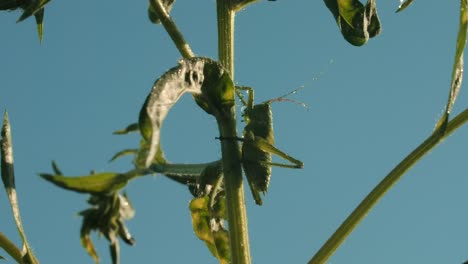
(404, 5)
(153, 16)
(105, 182)
(457, 72)
(130, 128)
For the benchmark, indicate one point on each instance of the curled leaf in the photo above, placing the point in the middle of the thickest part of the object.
(458, 66)
(210, 229)
(142, 154)
(194, 75)
(187, 77)
(208, 212)
(356, 22)
(7, 169)
(217, 97)
(8, 178)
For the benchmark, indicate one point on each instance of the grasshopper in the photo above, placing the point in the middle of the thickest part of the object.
(258, 145)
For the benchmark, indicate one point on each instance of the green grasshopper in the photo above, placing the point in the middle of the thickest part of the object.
(258, 145)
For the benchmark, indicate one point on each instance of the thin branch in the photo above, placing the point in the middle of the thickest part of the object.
(379, 191)
(172, 29)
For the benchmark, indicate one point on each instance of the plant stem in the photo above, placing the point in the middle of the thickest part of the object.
(237, 5)
(378, 192)
(172, 29)
(235, 203)
(10, 248)
(226, 35)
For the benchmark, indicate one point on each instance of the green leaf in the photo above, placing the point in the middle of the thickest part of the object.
(404, 5)
(457, 72)
(356, 22)
(39, 15)
(210, 229)
(142, 154)
(153, 16)
(11, 4)
(210, 176)
(130, 128)
(105, 182)
(32, 8)
(217, 97)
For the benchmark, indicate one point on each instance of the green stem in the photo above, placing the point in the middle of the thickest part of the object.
(10, 248)
(172, 29)
(226, 35)
(235, 203)
(379, 191)
(238, 5)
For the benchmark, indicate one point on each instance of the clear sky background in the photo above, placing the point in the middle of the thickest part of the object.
(369, 107)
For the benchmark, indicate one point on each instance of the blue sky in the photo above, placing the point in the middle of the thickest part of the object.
(368, 108)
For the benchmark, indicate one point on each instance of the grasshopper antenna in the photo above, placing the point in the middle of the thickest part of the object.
(284, 98)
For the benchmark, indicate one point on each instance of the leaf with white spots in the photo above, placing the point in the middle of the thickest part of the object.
(188, 77)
